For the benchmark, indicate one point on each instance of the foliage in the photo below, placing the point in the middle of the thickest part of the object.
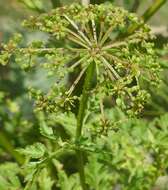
(131, 156)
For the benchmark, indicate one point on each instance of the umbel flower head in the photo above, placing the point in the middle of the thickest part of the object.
(85, 35)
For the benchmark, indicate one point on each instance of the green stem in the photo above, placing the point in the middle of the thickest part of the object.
(153, 9)
(80, 118)
(147, 15)
(5, 143)
(84, 99)
(80, 160)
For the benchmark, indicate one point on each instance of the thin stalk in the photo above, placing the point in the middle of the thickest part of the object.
(106, 35)
(101, 31)
(80, 119)
(94, 30)
(88, 31)
(75, 49)
(39, 50)
(76, 82)
(111, 77)
(57, 155)
(78, 62)
(115, 58)
(113, 45)
(102, 111)
(115, 74)
(152, 9)
(147, 15)
(6, 145)
(71, 38)
(77, 36)
(77, 29)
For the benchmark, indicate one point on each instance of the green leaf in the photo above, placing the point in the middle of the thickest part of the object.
(67, 182)
(46, 131)
(36, 150)
(9, 177)
(97, 175)
(68, 122)
(44, 180)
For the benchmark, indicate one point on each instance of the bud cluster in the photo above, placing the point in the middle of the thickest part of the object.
(85, 35)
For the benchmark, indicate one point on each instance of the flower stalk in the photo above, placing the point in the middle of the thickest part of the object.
(80, 119)
(157, 4)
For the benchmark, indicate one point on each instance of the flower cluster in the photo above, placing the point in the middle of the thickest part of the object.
(84, 35)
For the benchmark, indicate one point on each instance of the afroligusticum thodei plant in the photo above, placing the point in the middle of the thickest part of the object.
(84, 42)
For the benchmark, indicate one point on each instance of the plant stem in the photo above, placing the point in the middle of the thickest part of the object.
(84, 99)
(81, 114)
(5, 143)
(80, 118)
(147, 14)
(152, 10)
